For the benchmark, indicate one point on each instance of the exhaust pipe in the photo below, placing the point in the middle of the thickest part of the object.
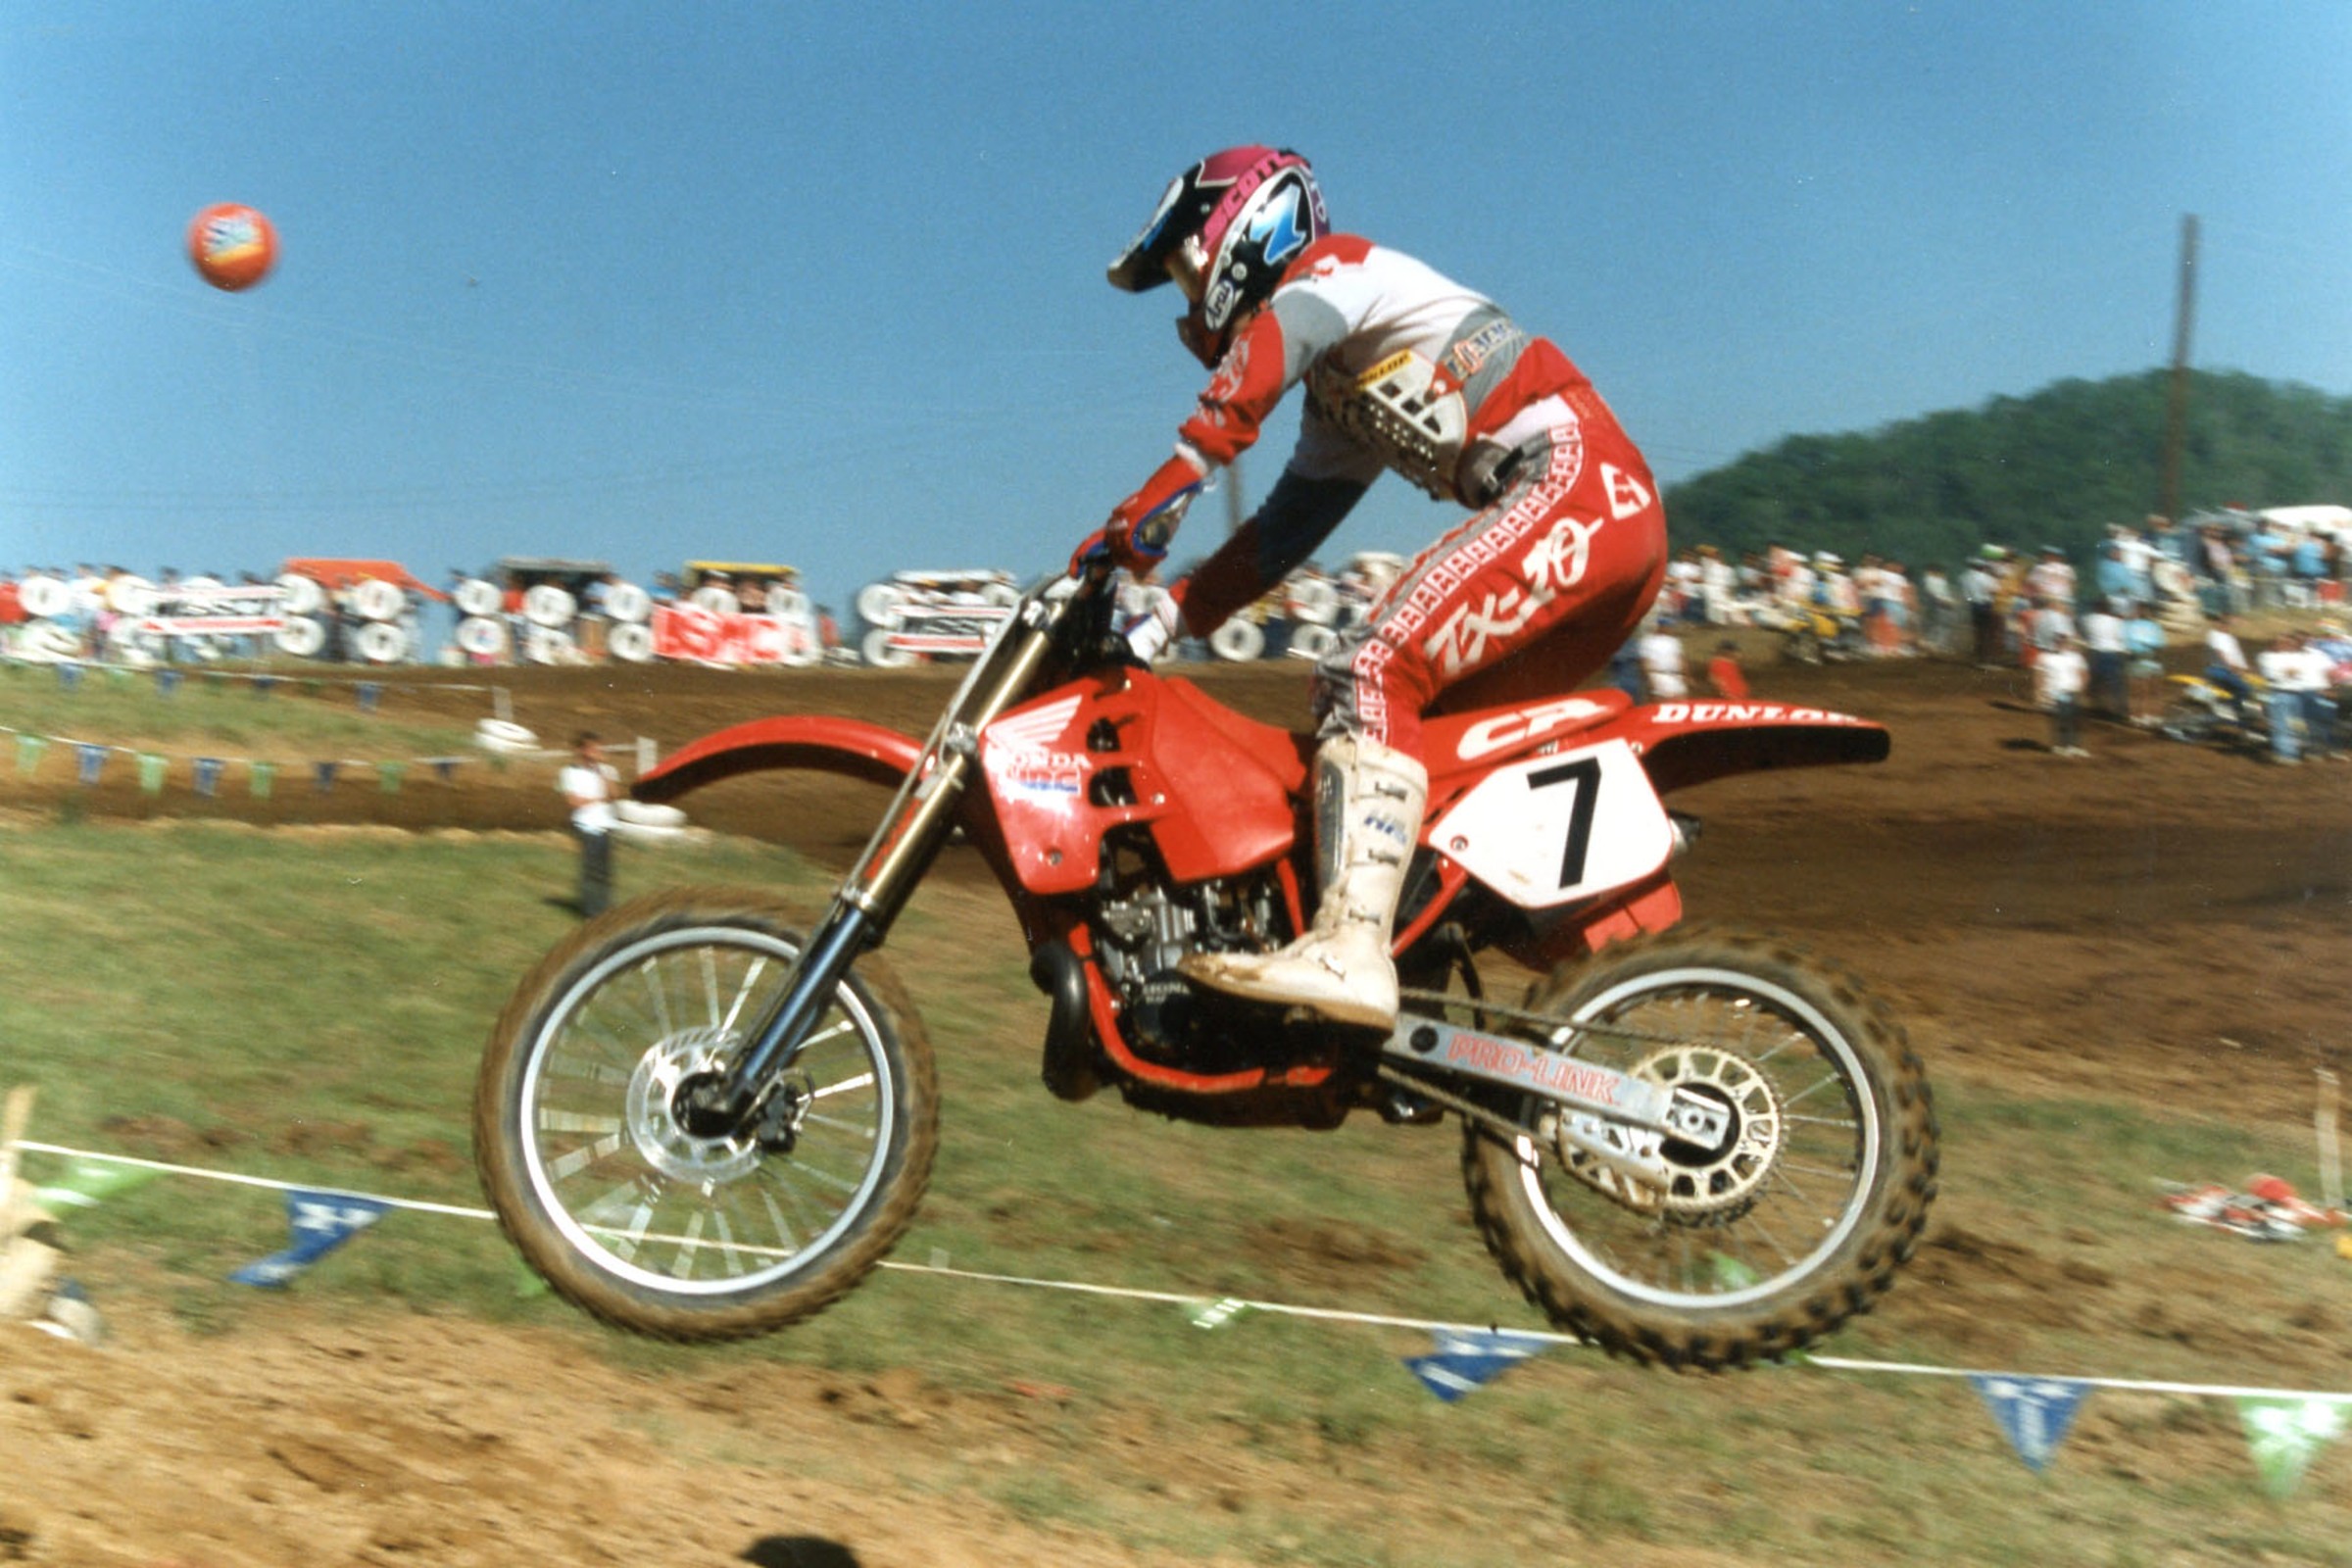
(1070, 1056)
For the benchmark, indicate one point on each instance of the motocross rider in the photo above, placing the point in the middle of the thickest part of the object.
(1563, 550)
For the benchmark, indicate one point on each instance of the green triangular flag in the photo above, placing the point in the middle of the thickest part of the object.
(264, 773)
(87, 1183)
(527, 1282)
(389, 774)
(2285, 1434)
(151, 773)
(28, 752)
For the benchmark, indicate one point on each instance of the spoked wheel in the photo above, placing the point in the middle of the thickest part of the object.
(1790, 1221)
(625, 1207)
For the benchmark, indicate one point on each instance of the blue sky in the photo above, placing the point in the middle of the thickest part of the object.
(824, 284)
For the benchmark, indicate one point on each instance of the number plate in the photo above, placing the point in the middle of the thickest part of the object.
(1556, 828)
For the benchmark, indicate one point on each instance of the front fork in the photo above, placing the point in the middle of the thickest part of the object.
(913, 832)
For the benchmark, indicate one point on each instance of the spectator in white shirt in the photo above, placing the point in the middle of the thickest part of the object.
(588, 785)
(2298, 678)
(1662, 664)
(2060, 674)
(2103, 642)
(2226, 665)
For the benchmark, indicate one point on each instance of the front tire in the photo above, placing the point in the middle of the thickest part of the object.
(1794, 1224)
(633, 1218)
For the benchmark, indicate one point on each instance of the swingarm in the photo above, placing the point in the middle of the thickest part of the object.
(1614, 1117)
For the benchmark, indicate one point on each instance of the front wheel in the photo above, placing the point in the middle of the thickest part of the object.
(648, 1225)
(1795, 1221)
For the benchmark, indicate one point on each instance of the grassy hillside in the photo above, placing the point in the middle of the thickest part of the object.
(2054, 467)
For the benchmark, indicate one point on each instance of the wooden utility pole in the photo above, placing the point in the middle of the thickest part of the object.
(2175, 419)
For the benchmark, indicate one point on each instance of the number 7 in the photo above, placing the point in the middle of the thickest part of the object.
(1584, 774)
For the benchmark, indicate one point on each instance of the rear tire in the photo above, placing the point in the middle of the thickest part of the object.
(1763, 1246)
(631, 1217)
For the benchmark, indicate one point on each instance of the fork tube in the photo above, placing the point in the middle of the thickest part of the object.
(862, 911)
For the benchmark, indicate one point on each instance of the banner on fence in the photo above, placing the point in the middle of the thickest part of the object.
(688, 631)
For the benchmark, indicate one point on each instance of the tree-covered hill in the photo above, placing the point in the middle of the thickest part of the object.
(2054, 467)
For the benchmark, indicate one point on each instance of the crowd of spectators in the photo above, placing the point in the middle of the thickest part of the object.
(1988, 606)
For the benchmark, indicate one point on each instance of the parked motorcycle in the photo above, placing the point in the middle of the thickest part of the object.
(2201, 712)
(1811, 634)
(705, 1115)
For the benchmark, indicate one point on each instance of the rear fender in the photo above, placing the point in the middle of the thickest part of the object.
(1685, 743)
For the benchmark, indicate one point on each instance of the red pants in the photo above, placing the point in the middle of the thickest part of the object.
(1524, 600)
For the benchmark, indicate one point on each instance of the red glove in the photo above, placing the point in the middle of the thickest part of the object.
(1141, 527)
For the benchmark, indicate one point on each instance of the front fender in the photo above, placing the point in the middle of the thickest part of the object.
(849, 747)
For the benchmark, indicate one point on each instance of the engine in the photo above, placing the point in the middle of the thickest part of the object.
(1144, 928)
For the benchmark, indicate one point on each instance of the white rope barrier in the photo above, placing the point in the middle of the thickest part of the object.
(1837, 1364)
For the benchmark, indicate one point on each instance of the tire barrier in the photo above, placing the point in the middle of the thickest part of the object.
(377, 601)
(549, 645)
(381, 643)
(632, 642)
(882, 653)
(300, 636)
(1311, 640)
(548, 607)
(482, 637)
(628, 604)
(1237, 641)
(642, 824)
(44, 598)
(575, 616)
(477, 596)
(504, 735)
(301, 596)
(932, 614)
(131, 596)
(1312, 600)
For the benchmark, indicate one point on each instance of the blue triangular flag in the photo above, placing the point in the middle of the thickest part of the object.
(322, 775)
(321, 1222)
(445, 768)
(166, 682)
(208, 774)
(1465, 1359)
(369, 691)
(2035, 1412)
(264, 685)
(91, 761)
(69, 676)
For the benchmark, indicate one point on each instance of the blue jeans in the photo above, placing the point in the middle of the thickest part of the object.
(2285, 707)
(2319, 722)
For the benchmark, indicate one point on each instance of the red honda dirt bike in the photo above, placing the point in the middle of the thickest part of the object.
(705, 1116)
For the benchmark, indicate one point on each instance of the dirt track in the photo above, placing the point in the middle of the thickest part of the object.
(2155, 925)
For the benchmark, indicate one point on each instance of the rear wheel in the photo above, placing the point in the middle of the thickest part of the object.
(1767, 1239)
(652, 1226)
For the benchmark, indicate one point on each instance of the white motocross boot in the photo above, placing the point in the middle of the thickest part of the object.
(1368, 804)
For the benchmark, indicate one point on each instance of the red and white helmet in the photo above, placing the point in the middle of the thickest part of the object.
(1224, 231)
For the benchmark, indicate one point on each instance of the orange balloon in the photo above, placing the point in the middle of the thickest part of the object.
(233, 247)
